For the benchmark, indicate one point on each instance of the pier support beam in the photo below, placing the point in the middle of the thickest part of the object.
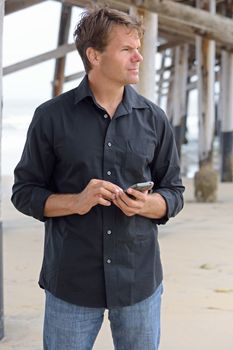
(62, 39)
(146, 85)
(179, 93)
(170, 92)
(226, 116)
(205, 180)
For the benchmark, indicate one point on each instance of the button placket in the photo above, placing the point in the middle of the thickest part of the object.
(109, 151)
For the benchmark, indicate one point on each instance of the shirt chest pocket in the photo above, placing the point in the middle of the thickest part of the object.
(139, 155)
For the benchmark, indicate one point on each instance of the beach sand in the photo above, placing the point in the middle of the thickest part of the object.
(197, 255)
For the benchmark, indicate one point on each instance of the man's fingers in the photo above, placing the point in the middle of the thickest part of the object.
(105, 188)
(124, 208)
(133, 203)
(104, 202)
(106, 194)
(137, 194)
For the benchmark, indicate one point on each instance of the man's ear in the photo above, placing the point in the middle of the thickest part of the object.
(93, 56)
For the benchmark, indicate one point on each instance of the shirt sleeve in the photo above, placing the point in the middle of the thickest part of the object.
(32, 175)
(165, 170)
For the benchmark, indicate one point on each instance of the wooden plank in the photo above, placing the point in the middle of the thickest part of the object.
(199, 21)
(173, 42)
(180, 17)
(85, 4)
(59, 52)
(16, 5)
(172, 27)
(62, 39)
(74, 76)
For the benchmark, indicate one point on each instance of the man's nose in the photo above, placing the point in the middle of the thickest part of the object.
(137, 57)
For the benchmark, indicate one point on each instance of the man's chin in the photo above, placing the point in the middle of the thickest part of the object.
(134, 80)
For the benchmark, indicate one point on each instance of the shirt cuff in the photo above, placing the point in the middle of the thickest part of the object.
(168, 199)
(38, 199)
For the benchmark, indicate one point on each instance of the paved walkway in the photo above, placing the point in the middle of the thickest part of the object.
(196, 249)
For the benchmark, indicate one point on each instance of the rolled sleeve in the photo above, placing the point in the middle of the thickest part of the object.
(174, 204)
(33, 174)
(37, 203)
(166, 172)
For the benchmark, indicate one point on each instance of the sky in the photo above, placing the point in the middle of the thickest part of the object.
(30, 32)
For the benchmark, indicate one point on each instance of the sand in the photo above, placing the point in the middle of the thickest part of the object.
(197, 254)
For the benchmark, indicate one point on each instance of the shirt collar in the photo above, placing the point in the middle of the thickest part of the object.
(82, 91)
(131, 98)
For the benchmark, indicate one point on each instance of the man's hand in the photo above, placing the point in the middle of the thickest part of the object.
(96, 192)
(148, 205)
(131, 206)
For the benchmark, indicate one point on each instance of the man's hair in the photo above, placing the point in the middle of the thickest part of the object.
(95, 26)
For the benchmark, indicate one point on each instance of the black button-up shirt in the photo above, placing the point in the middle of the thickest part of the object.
(103, 258)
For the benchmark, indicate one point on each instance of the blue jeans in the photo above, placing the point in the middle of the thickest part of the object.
(72, 327)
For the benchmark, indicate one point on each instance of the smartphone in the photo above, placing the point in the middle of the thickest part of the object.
(143, 186)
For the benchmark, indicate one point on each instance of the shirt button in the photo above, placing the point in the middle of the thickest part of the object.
(109, 144)
(109, 173)
(105, 116)
(109, 261)
(109, 232)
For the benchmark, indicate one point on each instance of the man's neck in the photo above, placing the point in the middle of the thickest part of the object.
(108, 95)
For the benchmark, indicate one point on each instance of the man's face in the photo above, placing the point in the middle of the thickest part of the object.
(119, 63)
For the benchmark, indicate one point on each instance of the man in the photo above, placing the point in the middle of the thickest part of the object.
(83, 149)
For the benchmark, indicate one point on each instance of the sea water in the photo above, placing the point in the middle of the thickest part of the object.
(18, 113)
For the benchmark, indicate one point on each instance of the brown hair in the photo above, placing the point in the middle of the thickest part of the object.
(94, 27)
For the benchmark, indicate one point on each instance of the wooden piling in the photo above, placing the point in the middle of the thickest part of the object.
(62, 39)
(146, 85)
(206, 179)
(170, 93)
(179, 93)
(226, 116)
(161, 77)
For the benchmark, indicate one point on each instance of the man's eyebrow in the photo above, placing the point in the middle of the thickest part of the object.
(131, 47)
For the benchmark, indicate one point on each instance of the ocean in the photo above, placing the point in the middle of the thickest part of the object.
(17, 115)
